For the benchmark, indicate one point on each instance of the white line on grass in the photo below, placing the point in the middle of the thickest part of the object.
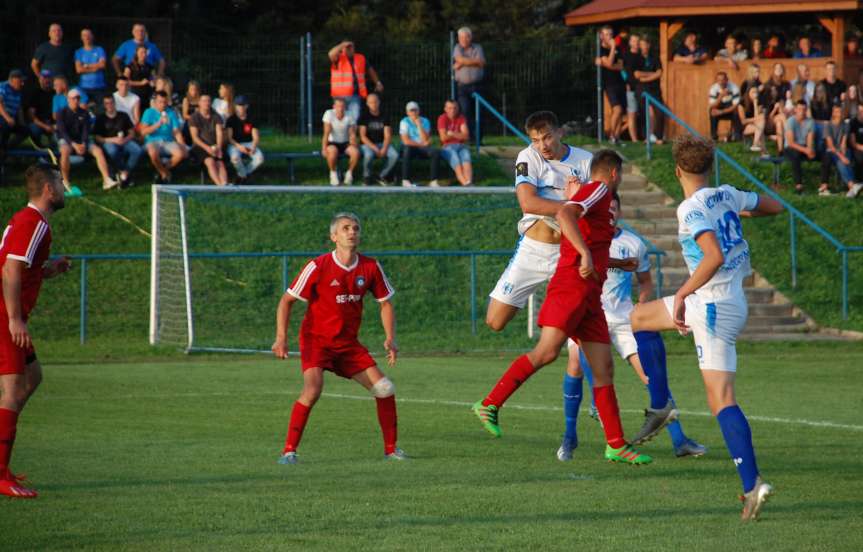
(811, 423)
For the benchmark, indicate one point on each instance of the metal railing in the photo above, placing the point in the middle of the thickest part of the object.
(793, 212)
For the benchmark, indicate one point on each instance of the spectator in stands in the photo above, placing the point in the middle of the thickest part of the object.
(127, 101)
(191, 99)
(453, 133)
(775, 47)
(731, 54)
(415, 133)
(757, 49)
(855, 137)
(115, 132)
(243, 139)
(161, 129)
(648, 74)
(852, 47)
(61, 89)
(612, 81)
(10, 107)
(224, 104)
(752, 118)
(339, 138)
(690, 51)
(348, 70)
(376, 136)
(631, 58)
(208, 140)
(53, 55)
(724, 96)
(39, 114)
(836, 87)
(468, 60)
(140, 74)
(166, 85)
(836, 153)
(753, 80)
(776, 91)
(819, 109)
(805, 49)
(799, 142)
(803, 81)
(73, 136)
(128, 52)
(90, 62)
(851, 104)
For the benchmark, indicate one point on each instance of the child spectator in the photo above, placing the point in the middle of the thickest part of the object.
(224, 104)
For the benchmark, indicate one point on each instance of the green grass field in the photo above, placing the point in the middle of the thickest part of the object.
(178, 453)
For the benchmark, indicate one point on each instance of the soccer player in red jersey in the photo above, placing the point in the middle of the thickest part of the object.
(24, 263)
(573, 307)
(334, 285)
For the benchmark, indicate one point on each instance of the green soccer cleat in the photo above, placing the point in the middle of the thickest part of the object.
(488, 416)
(626, 454)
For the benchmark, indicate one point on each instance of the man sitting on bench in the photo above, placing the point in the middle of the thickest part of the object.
(73, 136)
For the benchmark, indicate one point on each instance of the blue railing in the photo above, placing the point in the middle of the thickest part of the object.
(285, 256)
(793, 212)
(481, 103)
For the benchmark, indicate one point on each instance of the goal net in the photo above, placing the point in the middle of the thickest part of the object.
(222, 257)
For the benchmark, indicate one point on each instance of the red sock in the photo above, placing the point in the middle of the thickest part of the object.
(299, 417)
(8, 425)
(388, 419)
(518, 372)
(609, 413)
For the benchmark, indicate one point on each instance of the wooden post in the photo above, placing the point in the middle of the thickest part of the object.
(839, 45)
(664, 58)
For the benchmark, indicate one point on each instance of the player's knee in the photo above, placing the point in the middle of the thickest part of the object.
(383, 388)
(544, 357)
(495, 323)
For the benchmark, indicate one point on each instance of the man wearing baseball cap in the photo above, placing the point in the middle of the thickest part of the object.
(416, 136)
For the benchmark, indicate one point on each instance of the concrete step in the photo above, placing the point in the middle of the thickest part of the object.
(771, 309)
(672, 259)
(648, 227)
(632, 212)
(759, 296)
(641, 198)
(788, 336)
(774, 321)
(664, 241)
(788, 329)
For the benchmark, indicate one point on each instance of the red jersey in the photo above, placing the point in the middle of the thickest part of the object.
(27, 238)
(596, 226)
(335, 295)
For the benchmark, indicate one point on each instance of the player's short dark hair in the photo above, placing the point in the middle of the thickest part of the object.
(36, 176)
(604, 161)
(541, 120)
(693, 155)
(343, 215)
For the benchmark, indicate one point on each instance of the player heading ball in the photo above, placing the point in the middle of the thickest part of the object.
(334, 285)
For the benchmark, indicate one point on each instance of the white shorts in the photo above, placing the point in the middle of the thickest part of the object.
(622, 339)
(715, 327)
(532, 264)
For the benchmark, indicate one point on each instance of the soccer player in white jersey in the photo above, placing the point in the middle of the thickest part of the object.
(628, 254)
(543, 172)
(711, 303)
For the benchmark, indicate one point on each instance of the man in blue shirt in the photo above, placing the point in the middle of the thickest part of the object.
(10, 106)
(805, 49)
(416, 136)
(90, 61)
(126, 52)
(163, 135)
(61, 88)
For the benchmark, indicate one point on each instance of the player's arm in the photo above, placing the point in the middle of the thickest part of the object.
(709, 265)
(13, 271)
(56, 267)
(645, 286)
(388, 321)
(283, 321)
(767, 206)
(531, 202)
(567, 217)
(629, 264)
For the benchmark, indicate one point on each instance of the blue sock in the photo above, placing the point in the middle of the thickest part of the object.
(675, 430)
(572, 392)
(585, 367)
(651, 352)
(738, 439)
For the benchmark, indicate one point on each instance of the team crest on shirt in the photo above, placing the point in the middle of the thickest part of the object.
(361, 281)
(521, 169)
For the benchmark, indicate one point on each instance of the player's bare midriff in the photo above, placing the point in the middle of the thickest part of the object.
(542, 232)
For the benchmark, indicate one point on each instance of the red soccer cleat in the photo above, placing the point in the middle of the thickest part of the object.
(11, 486)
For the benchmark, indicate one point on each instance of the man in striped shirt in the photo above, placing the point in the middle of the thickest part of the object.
(333, 285)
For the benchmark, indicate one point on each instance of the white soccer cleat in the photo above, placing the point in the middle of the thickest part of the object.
(755, 499)
(397, 454)
(288, 458)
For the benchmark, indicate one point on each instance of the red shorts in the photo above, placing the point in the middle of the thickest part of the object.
(575, 307)
(13, 359)
(344, 359)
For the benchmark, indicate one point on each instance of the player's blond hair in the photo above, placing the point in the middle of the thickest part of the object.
(693, 155)
(334, 223)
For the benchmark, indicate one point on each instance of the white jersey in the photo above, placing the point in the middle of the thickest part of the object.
(549, 178)
(617, 289)
(717, 210)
